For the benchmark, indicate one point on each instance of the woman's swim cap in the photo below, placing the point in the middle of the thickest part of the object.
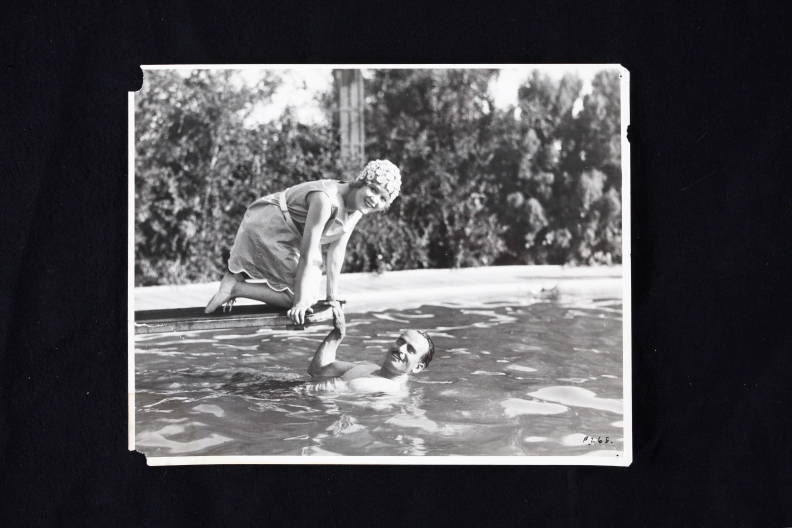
(384, 173)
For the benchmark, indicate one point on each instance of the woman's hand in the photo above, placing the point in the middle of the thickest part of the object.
(298, 312)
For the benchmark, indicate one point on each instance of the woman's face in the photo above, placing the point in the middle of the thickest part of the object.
(371, 198)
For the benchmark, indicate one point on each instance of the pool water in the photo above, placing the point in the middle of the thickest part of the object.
(512, 377)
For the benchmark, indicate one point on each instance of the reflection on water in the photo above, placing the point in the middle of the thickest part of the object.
(515, 377)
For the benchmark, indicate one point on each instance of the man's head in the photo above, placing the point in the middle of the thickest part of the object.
(412, 352)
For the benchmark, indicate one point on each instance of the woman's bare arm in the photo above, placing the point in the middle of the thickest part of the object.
(335, 262)
(308, 268)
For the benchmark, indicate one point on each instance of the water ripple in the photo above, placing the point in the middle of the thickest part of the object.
(578, 397)
(249, 385)
(516, 406)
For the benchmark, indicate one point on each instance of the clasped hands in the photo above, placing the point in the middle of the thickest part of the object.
(299, 312)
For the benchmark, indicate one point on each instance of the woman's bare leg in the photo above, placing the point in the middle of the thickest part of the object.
(261, 292)
(233, 285)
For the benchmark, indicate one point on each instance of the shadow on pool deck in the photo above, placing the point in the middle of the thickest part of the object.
(371, 291)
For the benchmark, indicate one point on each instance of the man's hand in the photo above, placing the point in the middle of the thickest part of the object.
(298, 312)
(339, 321)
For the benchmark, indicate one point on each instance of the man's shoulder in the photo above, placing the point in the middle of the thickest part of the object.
(364, 377)
(374, 383)
(360, 370)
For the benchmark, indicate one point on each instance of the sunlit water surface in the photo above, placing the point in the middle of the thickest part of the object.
(514, 377)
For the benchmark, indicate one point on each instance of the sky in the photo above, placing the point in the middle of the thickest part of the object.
(301, 85)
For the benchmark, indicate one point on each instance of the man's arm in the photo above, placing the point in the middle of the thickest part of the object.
(324, 363)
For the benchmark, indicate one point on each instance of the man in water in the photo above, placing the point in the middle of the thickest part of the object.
(409, 354)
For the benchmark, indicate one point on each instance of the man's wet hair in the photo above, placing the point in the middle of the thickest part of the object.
(430, 354)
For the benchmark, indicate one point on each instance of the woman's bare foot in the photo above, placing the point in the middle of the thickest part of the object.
(224, 294)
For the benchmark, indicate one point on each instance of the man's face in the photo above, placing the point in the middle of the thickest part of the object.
(405, 354)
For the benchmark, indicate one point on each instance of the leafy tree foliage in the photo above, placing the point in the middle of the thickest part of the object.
(539, 183)
(197, 167)
(564, 205)
(434, 124)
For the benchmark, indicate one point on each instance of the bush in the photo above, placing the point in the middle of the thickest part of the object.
(540, 183)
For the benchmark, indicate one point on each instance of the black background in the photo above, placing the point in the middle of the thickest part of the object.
(711, 215)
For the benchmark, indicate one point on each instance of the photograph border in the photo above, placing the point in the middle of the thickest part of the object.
(577, 460)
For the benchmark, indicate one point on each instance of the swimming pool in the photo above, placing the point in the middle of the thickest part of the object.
(511, 377)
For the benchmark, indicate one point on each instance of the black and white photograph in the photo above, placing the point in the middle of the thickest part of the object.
(367, 264)
(339, 264)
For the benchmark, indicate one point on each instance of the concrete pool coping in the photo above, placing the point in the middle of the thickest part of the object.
(372, 291)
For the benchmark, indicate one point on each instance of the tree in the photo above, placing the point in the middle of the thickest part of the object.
(536, 183)
(433, 123)
(564, 205)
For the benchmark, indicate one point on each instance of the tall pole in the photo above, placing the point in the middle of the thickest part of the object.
(349, 87)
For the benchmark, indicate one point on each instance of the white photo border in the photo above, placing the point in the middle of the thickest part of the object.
(626, 457)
